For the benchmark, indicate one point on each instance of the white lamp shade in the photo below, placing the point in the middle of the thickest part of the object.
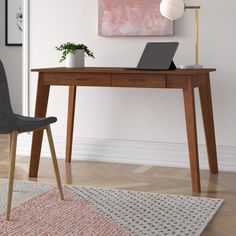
(172, 9)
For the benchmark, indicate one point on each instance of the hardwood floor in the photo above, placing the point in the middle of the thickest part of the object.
(139, 178)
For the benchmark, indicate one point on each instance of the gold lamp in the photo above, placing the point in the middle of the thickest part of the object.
(173, 10)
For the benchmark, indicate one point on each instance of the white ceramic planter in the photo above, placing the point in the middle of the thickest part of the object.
(75, 59)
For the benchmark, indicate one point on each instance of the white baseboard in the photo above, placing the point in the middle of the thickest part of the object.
(131, 152)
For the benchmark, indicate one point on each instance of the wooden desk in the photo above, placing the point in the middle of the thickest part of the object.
(186, 80)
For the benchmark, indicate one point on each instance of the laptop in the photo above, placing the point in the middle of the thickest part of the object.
(158, 56)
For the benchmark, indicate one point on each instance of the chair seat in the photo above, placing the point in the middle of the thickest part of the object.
(21, 123)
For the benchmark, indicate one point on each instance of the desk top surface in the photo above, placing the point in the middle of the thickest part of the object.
(120, 70)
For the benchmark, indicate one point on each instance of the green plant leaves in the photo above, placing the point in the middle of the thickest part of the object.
(69, 47)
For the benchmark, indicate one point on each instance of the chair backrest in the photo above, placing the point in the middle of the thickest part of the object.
(6, 113)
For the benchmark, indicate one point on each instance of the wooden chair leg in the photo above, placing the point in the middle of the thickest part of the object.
(10, 140)
(54, 161)
(11, 172)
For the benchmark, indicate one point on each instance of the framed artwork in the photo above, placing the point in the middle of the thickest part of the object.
(14, 19)
(132, 18)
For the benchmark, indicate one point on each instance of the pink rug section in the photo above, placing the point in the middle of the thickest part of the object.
(45, 215)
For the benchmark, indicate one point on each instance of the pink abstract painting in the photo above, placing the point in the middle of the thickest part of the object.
(132, 18)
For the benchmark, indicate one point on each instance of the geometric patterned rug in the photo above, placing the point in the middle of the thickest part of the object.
(37, 210)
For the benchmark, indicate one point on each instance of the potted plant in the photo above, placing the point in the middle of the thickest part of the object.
(74, 54)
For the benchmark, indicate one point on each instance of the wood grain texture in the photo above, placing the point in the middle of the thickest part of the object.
(70, 122)
(190, 115)
(40, 111)
(207, 115)
(122, 70)
(78, 79)
(12, 158)
(122, 77)
(139, 81)
(54, 161)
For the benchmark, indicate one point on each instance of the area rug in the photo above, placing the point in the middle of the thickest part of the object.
(37, 210)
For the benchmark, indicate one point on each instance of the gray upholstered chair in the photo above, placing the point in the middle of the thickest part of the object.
(13, 124)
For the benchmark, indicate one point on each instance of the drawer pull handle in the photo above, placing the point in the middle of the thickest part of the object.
(83, 79)
(137, 80)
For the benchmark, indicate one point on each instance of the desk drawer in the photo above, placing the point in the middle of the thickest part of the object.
(139, 80)
(78, 79)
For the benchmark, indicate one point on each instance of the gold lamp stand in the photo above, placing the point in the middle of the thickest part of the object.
(196, 66)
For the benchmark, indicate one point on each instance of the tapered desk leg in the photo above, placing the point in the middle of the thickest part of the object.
(40, 111)
(192, 136)
(70, 122)
(208, 121)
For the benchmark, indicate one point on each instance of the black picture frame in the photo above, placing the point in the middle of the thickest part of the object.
(9, 40)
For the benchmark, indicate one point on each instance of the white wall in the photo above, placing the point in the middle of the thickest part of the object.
(12, 59)
(136, 114)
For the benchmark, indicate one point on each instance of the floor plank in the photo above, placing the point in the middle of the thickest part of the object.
(137, 177)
